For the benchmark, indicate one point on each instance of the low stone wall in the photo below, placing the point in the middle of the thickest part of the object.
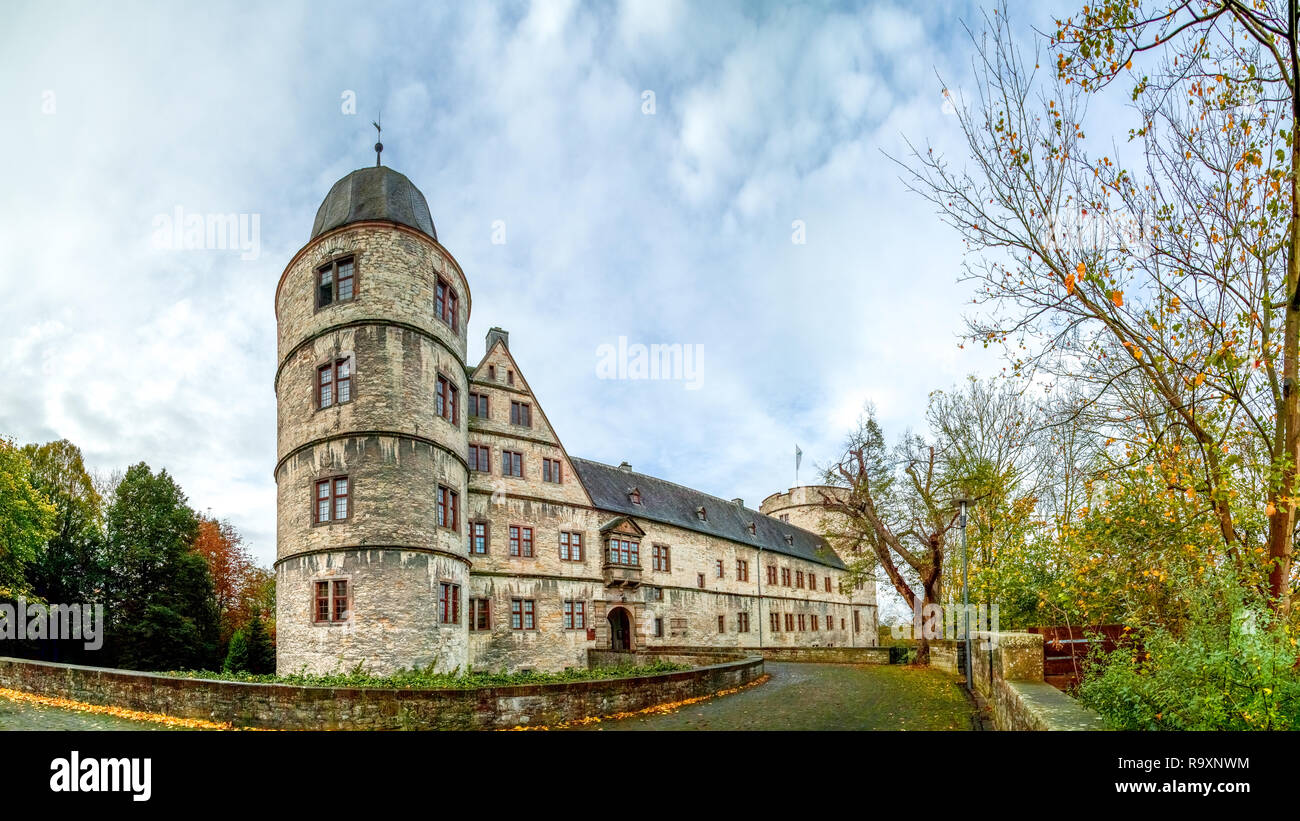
(290, 707)
(816, 655)
(944, 655)
(1007, 670)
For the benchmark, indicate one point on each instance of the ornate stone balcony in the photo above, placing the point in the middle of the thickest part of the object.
(622, 575)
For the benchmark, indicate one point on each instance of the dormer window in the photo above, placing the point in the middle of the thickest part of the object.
(701, 514)
(634, 496)
(789, 539)
(335, 282)
(445, 303)
(752, 529)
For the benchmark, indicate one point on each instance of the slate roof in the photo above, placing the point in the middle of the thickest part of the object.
(671, 504)
(378, 193)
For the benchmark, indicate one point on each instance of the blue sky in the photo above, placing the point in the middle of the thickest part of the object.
(671, 227)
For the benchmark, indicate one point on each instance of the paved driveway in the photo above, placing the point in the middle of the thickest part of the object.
(825, 697)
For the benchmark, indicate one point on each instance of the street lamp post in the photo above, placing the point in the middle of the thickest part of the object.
(965, 592)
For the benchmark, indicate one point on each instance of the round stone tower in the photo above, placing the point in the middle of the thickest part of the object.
(371, 473)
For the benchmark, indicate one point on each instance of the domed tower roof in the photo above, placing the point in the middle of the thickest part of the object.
(378, 193)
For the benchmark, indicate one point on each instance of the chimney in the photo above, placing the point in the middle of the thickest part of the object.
(625, 466)
(738, 502)
(495, 334)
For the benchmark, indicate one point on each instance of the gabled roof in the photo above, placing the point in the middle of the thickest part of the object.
(672, 504)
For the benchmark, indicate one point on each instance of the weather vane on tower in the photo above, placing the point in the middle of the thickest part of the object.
(379, 146)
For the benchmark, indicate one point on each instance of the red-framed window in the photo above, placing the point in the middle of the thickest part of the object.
(510, 377)
(771, 574)
(480, 458)
(659, 628)
(623, 551)
(445, 303)
(448, 603)
(492, 372)
(742, 570)
(523, 614)
(575, 615)
(335, 282)
(334, 383)
(814, 622)
(827, 579)
(812, 581)
(333, 500)
(775, 619)
(512, 463)
(857, 626)
(798, 576)
(722, 624)
(480, 614)
(448, 508)
(803, 623)
(742, 622)
(551, 470)
(478, 405)
(478, 538)
(521, 541)
(785, 576)
(332, 601)
(570, 546)
(521, 413)
(660, 559)
(445, 400)
(789, 622)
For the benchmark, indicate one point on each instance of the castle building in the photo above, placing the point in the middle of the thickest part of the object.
(428, 513)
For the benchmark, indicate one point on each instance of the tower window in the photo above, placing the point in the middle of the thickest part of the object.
(445, 400)
(445, 303)
(332, 500)
(332, 601)
(512, 463)
(334, 383)
(335, 282)
(521, 414)
(448, 508)
(449, 603)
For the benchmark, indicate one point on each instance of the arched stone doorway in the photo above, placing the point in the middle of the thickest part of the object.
(620, 629)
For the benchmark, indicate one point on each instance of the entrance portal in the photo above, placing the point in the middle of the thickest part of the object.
(620, 629)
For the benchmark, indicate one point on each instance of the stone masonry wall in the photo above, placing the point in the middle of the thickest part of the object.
(289, 707)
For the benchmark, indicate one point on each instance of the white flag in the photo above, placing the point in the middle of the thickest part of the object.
(798, 457)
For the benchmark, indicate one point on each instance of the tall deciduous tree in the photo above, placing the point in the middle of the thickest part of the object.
(27, 520)
(895, 504)
(1163, 291)
(69, 567)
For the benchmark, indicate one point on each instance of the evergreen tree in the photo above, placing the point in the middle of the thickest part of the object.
(261, 653)
(237, 657)
(162, 609)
